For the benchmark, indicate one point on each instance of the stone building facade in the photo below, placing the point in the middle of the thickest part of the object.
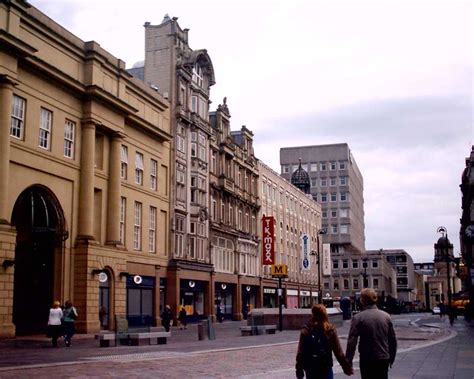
(84, 178)
(295, 215)
(233, 217)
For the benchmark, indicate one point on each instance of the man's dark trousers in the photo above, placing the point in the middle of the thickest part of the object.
(377, 369)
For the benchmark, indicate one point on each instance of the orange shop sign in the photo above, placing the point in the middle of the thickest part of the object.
(268, 242)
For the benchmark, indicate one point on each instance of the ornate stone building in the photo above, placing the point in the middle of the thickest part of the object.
(296, 216)
(84, 178)
(233, 215)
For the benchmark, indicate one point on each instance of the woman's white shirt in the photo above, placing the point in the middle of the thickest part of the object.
(55, 316)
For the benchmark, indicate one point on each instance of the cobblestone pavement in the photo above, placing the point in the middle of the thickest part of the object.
(229, 356)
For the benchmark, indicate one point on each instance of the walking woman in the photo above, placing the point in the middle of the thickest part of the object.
(69, 316)
(318, 340)
(54, 323)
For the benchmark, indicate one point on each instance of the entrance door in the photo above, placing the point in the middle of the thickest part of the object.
(104, 301)
(40, 226)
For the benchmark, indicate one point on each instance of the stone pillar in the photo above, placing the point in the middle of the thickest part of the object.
(7, 271)
(86, 190)
(238, 299)
(6, 95)
(212, 296)
(157, 299)
(113, 203)
(259, 295)
(173, 289)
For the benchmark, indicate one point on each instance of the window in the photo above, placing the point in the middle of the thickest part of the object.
(336, 284)
(46, 119)
(285, 169)
(137, 226)
(18, 117)
(324, 182)
(333, 197)
(335, 264)
(326, 285)
(124, 162)
(323, 166)
(333, 213)
(153, 174)
(344, 196)
(346, 284)
(332, 166)
(313, 167)
(345, 263)
(197, 75)
(194, 104)
(192, 247)
(180, 143)
(324, 198)
(324, 214)
(344, 212)
(375, 263)
(139, 168)
(375, 283)
(344, 229)
(213, 162)
(333, 182)
(69, 131)
(343, 181)
(355, 263)
(334, 229)
(355, 284)
(152, 231)
(179, 236)
(314, 182)
(342, 165)
(213, 209)
(123, 204)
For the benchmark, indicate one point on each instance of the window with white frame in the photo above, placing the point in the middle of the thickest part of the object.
(375, 283)
(314, 182)
(213, 167)
(180, 182)
(194, 104)
(323, 166)
(333, 182)
(213, 208)
(344, 196)
(313, 167)
(239, 220)
(246, 222)
(333, 213)
(124, 162)
(336, 284)
(324, 214)
(123, 207)
(285, 169)
(137, 226)
(332, 166)
(346, 284)
(375, 263)
(46, 121)
(192, 247)
(355, 263)
(334, 229)
(324, 198)
(343, 212)
(342, 165)
(333, 197)
(152, 231)
(18, 117)
(69, 137)
(153, 174)
(345, 263)
(324, 182)
(335, 264)
(343, 181)
(180, 143)
(344, 229)
(197, 75)
(355, 283)
(139, 168)
(179, 237)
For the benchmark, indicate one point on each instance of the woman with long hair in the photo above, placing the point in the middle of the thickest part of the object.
(318, 340)
(54, 323)
(69, 317)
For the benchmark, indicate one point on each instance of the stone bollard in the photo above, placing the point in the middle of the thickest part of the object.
(200, 329)
(211, 333)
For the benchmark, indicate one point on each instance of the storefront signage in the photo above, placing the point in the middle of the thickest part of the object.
(305, 293)
(292, 292)
(305, 250)
(247, 288)
(268, 243)
(326, 259)
(223, 286)
(269, 290)
(280, 271)
(191, 284)
(103, 277)
(137, 279)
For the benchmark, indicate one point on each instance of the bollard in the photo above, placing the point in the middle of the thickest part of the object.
(200, 329)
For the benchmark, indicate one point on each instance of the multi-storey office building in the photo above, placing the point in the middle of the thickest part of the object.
(185, 76)
(84, 178)
(233, 217)
(402, 262)
(351, 272)
(296, 215)
(337, 184)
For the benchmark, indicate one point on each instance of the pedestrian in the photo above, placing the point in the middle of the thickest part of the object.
(318, 340)
(69, 317)
(103, 317)
(377, 340)
(220, 315)
(183, 318)
(442, 310)
(166, 317)
(54, 323)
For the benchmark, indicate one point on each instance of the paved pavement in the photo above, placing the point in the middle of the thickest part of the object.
(234, 356)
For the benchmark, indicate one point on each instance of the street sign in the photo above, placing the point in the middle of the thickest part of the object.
(279, 271)
(268, 243)
(305, 251)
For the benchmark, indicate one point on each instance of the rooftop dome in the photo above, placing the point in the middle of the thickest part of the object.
(300, 179)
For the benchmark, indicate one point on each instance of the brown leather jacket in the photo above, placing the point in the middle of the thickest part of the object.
(377, 336)
(333, 339)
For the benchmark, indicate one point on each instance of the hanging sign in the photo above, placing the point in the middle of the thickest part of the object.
(305, 250)
(326, 259)
(268, 243)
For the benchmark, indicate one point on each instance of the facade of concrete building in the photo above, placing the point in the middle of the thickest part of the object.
(185, 76)
(295, 216)
(233, 217)
(402, 262)
(337, 184)
(84, 178)
(351, 272)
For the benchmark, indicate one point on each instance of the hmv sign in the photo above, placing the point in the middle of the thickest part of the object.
(268, 242)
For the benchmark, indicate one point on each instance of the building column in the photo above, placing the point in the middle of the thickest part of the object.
(238, 300)
(212, 296)
(113, 198)
(6, 95)
(86, 190)
(173, 279)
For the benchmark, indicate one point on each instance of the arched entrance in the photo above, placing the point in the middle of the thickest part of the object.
(41, 230)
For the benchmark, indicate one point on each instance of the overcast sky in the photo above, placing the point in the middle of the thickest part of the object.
(393, 79)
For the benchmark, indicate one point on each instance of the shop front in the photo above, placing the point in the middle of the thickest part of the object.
(305, 299)
(140, 300)
(192, 297)
(223, 298)
(249, 299)
(292, 298)
(269, 297)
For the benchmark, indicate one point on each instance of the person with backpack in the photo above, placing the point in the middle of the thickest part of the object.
(318, 340)
(69, 317)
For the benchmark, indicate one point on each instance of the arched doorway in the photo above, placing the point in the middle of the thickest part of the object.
(41, 230)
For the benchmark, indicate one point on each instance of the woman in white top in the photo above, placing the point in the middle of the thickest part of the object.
(54, 322)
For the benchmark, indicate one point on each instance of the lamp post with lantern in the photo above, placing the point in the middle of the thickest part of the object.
(318, 261)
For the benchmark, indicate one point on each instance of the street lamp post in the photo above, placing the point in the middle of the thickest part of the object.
(444, 232)
(318, 257)
(365, 284)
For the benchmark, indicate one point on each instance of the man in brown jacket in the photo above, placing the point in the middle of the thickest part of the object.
(378, 343)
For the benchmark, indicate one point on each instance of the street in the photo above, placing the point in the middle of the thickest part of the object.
(229, 356)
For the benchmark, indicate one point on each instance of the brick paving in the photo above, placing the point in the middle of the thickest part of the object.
(229, 356)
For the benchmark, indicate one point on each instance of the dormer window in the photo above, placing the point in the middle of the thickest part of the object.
(197, 75)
